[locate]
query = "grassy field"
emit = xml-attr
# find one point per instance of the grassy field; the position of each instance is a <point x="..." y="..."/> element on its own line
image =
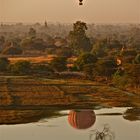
<point x="27" y="92"/>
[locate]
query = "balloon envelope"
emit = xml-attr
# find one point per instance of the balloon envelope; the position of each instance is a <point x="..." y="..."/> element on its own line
<point x="81" y="119"/>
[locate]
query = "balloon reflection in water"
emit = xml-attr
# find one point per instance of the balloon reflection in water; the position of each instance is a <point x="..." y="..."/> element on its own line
<point x="105" y="134"/>
<point x="81" y="119"/>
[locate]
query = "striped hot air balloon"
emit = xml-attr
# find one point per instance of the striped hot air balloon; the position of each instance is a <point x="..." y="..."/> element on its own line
<point x="81" y="119"/>
<point x="80" y="2"/>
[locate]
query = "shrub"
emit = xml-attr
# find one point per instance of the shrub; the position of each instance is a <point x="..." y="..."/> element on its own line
<point x="42" y="69"/>
<point x="12" y="51"/>
<point x="4" y="63"/>
<point x="105" y="68"/>
<point x="21" y="67"/>
<point x="59" y="64"/>
<point x="84" y="59"/>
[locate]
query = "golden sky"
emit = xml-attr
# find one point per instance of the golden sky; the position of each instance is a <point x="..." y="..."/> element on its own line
<point x="98" y="11"/>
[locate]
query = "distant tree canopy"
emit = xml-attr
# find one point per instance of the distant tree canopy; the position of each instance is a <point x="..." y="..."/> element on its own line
<point x="65" y="52"/>
<point x="32" y="33"/>
<point x="4" y="62"/>
<point x="45" y="24"/>
<point x="78" y="39"/>
<point x="2" y="40"/>
<point x="129" y="53"/>
<point x="114" y="44"/>
<point x="12" y="51"/>
<point x="100" y="48"/>
<point x="33" y="44"/>
<point x="16" y="42"/>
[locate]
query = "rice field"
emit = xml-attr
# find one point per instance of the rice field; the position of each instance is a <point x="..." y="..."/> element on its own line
<point x="35" y="92"/>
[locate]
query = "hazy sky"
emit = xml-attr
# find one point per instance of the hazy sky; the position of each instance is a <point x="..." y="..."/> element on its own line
<point x="101" y="11"/>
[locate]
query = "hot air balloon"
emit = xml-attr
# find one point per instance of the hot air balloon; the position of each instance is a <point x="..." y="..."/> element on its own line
<point x="81" y="119"/>
<point x="80" y="2"/>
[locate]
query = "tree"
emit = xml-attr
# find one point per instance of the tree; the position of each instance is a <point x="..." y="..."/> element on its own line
<point x="100" y="48"/>
<point x="77" y="38"/>
<point x="4" y="63"/>
<point x="63" y="51"/>
<point x="137" y="59"/>
<point x="12" y="51"/>
<point x="59" y="64"/>
<point x="88" y="70"/>
<point x="2" y="40"/>
<point x="21" y="67"/>
<point x="114" y="44"/>
<point x="84" y="59"/>
<point x="127" y="53"/>
<point x="105" y="68"/>
<point x="45" y="24"/>
<point x="33" y="44"/>
<point x="32" y="33"/>
<point x="38" y="44"/>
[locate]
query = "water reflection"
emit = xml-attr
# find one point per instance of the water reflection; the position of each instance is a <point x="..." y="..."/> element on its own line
<point x="81" y="119"/>
<point x="132" y="114"/>
<point x="105" y="134"/>
<point x="25" y="116"/>
<point x="55" y="124"/>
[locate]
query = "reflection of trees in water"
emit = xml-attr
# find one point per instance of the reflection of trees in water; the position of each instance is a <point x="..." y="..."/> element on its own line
<point x="105" y="134"/>
<point x="25" y="116"/>
<point x="132" y="114"/>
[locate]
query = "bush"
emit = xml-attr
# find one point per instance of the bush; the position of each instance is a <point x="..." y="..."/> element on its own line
<point x="84" y="59"/>
<point x="88" y="70"/>
<point x="21" y="67"/>
<point x="4" y="63"/>
<point x="105" y="68"/>
<point x="12" y="51"/>
<point x="121" y="81"/>
<point x="59" y="64"/>
<point x="137" y="59"/>
<point x="42" y="69"/>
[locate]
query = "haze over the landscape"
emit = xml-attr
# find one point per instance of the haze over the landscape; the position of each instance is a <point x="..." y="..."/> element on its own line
<point x="98" y="11"/>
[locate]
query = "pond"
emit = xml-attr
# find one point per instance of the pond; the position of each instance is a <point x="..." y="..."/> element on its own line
<point x="107" y="123"/>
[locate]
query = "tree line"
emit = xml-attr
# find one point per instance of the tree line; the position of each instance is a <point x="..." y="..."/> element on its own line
<point x="106" y="59"/>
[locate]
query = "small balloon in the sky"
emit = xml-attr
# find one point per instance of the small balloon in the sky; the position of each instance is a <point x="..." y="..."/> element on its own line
<point x="80" y="2"/>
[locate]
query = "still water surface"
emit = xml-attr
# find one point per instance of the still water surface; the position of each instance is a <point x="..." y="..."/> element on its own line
<point x="76" y="125"/>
